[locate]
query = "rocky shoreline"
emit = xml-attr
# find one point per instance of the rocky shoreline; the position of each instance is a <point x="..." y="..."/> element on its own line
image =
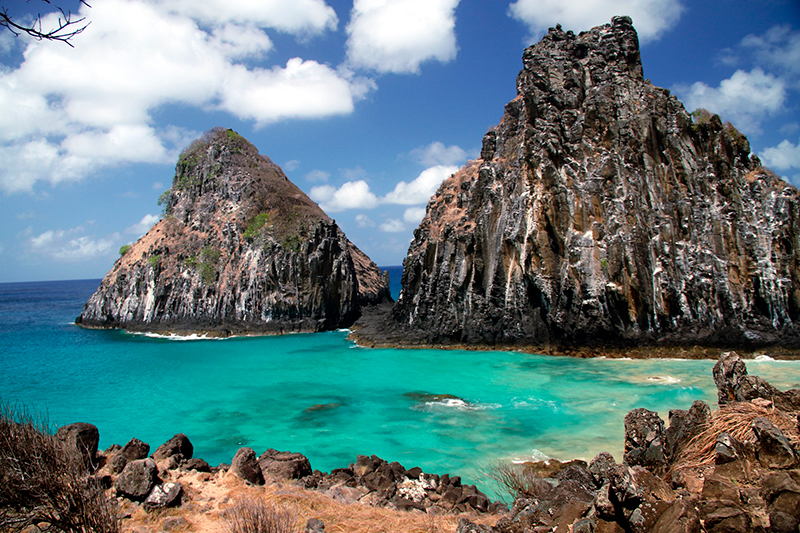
<point x="376" y="329"/>
<point x="736" y="469"/>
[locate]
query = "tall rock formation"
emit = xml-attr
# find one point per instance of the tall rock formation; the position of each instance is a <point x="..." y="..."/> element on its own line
<point x="601" y="214"/>
<point x="240" y="249"/>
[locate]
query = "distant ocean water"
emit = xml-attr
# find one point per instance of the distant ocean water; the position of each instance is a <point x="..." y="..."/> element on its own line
<point x="321" y="395"/>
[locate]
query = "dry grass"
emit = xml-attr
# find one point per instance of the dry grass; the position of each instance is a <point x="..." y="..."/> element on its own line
<point x="210" y="502"/>
<point x="255" y="515"/>
<point x="361" y="518"/>
<point x="737" y="420"/>
<point x="45" y="485"/>
<point x="515" y="481"/>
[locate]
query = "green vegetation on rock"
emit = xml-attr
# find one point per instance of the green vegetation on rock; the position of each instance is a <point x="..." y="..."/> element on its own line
<point x="124" y="249"/>
<point x="255" y="225"/>
<point x="207" y="264"/>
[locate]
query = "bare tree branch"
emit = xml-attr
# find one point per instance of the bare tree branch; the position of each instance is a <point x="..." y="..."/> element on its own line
<point x="67" y="26"/>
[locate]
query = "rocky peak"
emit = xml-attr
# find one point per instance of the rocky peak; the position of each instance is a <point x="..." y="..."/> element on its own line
<point x="601" y="213"/>
<point x="240" y="249"/>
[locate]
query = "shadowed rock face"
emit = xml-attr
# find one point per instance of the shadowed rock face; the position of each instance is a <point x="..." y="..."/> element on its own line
<point x="600" y="214"/>
<point x="241" y="249"/>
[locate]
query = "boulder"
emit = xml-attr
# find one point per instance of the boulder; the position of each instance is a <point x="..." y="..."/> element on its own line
<point x="284" y="465"/>
<point x="245" y="465"/>
<point x="726" y="449"/>
<point x="465" y="525"/>
<point x="315" y="525"/>
<point x="735" y="385"/>
<point x="600" y="468"/>
<point x="644" y="439"/>
<point x="81" y="438"/>
<point x="683" y="425"/>
<point x="196" y="464"/>
<point x="772" y="447"/>
<point x="680" y="517"/>
<point x="781" y="491"/>
<point x="723" y="516"/>
<point x="134" y="450"/>
<point x="117" y="463"/>
<point x="162" y="496"/>
<point x="780" y="522"/>
<point x="137" y="479"/>
<point x="179" y="444"/>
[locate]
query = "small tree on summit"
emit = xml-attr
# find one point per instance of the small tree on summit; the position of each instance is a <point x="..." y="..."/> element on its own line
<point x="66" y="29"/>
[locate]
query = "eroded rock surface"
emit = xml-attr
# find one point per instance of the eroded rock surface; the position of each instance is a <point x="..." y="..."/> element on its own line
<point x="601" y="214"/>
<point x="240" y="249"/>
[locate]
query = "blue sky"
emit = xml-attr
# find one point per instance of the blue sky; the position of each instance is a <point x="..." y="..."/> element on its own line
<point x="366" y="104"/>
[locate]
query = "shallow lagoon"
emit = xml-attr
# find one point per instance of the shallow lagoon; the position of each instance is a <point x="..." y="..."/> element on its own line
<point x="321" y="395"/>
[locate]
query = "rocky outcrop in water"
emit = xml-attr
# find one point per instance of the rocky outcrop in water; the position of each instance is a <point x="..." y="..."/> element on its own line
<point x="240" y="249"/>
<point x="601" y="214"/>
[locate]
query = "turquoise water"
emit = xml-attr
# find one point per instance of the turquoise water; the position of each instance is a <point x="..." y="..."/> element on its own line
<point x="321" y="395"/>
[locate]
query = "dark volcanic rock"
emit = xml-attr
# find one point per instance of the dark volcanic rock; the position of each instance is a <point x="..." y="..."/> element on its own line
<point x="600" y="214"/>
<point x="240" y="249"/>
<point x="135" y="449"/>
<point x="81" y="438"/>
<point x="162" y="496"/>
<point x="773" y="448"/>
<point x="284" y="465"/>
<point x="245" y="465"/>
<point x="644" y="439"/>
<point x="137" y="479"/>
<point x="179" y="444"/>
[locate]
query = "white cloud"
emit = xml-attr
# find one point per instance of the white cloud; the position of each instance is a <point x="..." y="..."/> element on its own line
<point x="158" y="186"/>
<point x="317" y="176"/>
<point x="143" y="226"/>
<point x="743" y="99"/>
<point x="651" y="18"/>
<point x="398" y="35"/>
<point x="414" y="215"/>
<point x="393" y="225"/>
<point x="778" y="47"/>
<point x="297" y="17"/>
<point x="72" y="245"/>
<point x="782" y="157"/>
<point x="437" y="153"/>
<point x="68" y="112"/>
<point x="421" y="189"/>
<point x="351" y="195"/>
<point x="291" y="165"/>
<point x="303" y="89"/>
<point x="364" y="221"/>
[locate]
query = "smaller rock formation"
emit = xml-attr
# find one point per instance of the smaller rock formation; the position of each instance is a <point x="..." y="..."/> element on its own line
<point x="240" y="249"/>
<point x="177" y="445"/>
<point x="137" y="479"/>
<point x="735" y="385"/>
<point x="81" y="438"/>
<point x="245" y="465"/>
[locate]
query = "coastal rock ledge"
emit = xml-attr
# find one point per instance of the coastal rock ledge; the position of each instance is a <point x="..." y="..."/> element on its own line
<point x="240" y="249"/>
<point x="601" y="214"/>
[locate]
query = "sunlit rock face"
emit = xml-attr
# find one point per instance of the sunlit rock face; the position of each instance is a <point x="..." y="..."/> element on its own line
<point x="601" y="214"/>
<point x="240" y="249"/>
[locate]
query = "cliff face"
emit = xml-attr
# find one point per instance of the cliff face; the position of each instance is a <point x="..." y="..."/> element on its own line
<point x="601" y="214"/>
<point x="240" y="249"/>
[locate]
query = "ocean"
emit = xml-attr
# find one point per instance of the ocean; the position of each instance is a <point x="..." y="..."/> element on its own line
<point x="447" y="411"/>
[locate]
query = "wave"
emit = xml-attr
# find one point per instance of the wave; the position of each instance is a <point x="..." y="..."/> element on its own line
<point x="666" y="380"/>
<point x="457" y="404"/>
<point x="762" y="358"/>
<point x="177" y="337"/>
<point x="535" y="457"/>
